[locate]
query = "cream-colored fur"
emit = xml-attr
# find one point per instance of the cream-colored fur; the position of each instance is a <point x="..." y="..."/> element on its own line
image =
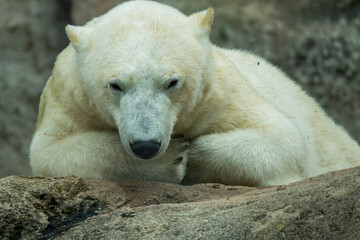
<point x="246" y="122"/>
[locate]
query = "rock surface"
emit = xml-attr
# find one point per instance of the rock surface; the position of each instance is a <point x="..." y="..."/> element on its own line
<point x="32" y="35"/>
<point x="325" y="207"/>
<point x="315" y="42"/>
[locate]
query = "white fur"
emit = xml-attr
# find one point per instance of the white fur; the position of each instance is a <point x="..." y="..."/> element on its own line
<point x="247" y="123"/>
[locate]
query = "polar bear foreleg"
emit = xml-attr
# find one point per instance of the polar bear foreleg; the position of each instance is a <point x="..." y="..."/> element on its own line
<point x="100" y="154"/>
<point x="89" y="154"/>
<point x="256" y="157"/>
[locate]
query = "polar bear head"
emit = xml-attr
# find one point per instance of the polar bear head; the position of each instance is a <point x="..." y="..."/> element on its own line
<point x="146" y="66"/>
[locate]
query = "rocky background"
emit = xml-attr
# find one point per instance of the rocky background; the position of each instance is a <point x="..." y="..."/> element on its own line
<point x="315" y="42"/>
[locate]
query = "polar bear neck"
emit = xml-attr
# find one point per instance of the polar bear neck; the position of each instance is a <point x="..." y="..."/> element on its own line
<point x="195" y="121"/>
<point x="204" y="118"/>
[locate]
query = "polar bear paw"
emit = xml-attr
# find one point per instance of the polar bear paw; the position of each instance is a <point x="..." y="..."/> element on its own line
<point x="182" y="145"/>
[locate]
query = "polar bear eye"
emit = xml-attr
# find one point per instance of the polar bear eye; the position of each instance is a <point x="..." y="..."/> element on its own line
<point x="115" y="87"/>
<point x="173" y="83"/>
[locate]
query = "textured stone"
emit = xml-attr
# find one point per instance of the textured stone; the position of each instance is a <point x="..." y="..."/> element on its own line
<point x="36" y="207"/>
<point x="325" y="207"/>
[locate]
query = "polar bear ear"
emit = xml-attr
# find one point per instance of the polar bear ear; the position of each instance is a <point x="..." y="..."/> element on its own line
<point x="203" y="21"/>
<point x="77" y="35"/>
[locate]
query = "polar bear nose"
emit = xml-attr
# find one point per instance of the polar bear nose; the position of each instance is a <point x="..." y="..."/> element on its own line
<point x="145" y="149"/>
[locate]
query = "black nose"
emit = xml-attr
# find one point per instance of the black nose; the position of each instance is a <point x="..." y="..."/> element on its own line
<point x="145" y="149"/>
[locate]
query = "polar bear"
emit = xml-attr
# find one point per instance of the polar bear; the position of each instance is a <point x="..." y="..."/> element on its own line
<point x="141" y="92"/>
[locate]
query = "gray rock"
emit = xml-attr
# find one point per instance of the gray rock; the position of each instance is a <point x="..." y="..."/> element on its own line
<point x="325" y="207"/>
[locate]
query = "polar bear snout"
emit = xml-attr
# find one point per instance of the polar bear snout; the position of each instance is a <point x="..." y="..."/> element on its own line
<point x="145" y="149"/>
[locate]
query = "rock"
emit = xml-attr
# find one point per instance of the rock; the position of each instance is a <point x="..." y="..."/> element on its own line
<point x="36" y="208"/>
<point x="324" y="207"/>
<point x="32" y="35"/>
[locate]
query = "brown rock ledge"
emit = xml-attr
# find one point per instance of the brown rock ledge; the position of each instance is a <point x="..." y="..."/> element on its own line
<point x="324" y="207"/>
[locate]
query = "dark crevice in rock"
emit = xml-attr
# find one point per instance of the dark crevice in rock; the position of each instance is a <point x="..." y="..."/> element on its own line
<point x="66" y="206"/>
<point x="43" y="208"/>
<point x="57" y="228"/>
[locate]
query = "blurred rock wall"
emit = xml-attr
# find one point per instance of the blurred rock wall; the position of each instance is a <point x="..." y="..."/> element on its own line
<point x="314" y="42"/>
<point x="31" y="36"/>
